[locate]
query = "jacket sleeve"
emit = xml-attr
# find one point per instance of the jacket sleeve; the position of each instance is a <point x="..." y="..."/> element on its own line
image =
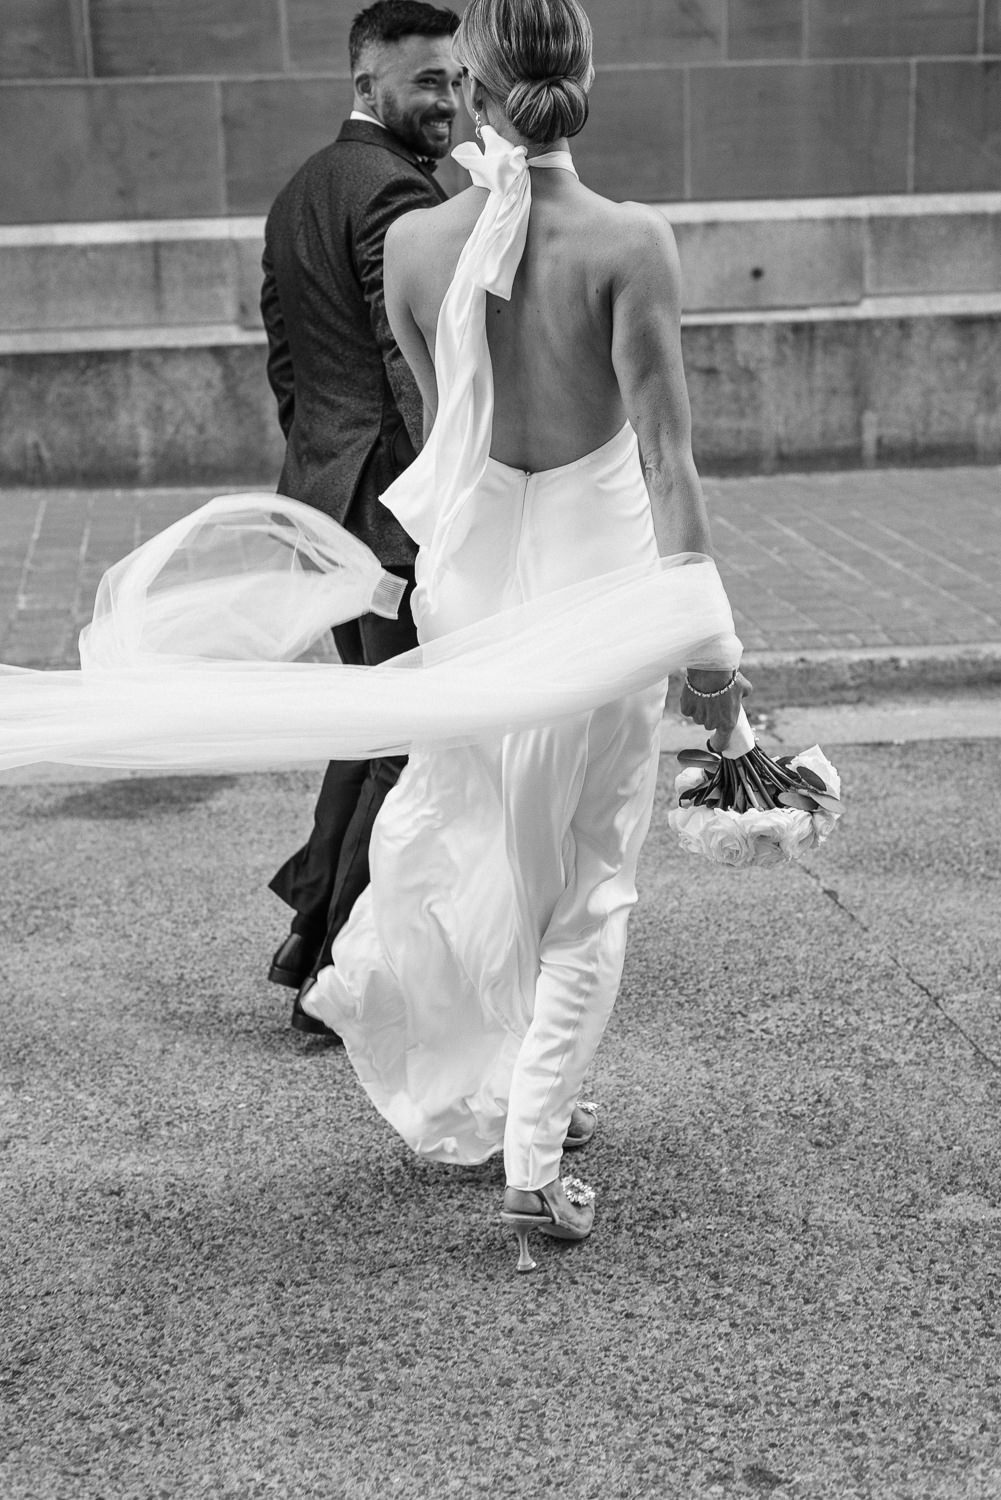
<point x="398" y="196"/>
<point x="280" y="375"/>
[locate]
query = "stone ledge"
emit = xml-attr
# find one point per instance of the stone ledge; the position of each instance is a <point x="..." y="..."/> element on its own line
<point x="152" y="273"/>
<point x="747" y="257"/>
<point x="753" y="256"/>
<point x="867" y="309"/>
<point x="212" y="335"/>
<point x="771" y="393"/>
<point x="160" y="415"/>
<point x="842" y="391"/>
<point x="83" y="340"/>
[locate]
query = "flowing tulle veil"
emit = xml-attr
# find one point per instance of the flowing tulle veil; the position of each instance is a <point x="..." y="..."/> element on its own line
<point x="210" y="644"/>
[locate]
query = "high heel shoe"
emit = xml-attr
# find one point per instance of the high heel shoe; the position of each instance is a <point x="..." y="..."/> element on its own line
<point x="583" y="1123"/>
<point x="563" y="1210"/>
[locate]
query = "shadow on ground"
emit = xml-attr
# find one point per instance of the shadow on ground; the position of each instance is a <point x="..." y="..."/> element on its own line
<point x="138" y="797"/>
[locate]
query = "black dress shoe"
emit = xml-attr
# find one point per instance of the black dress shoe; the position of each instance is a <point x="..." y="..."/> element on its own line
<point x="303" y="1022"/>
<point x="292" y="962"/>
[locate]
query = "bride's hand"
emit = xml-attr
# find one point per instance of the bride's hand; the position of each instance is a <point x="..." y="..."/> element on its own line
<point x="716" y="713"/>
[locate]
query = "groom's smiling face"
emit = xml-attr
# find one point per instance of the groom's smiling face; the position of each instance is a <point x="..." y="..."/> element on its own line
<point x="414" y="87"/>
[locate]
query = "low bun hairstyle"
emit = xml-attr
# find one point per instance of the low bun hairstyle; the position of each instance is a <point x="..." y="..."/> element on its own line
<point x="534" y="58"/>
<point x="546" y="108"/>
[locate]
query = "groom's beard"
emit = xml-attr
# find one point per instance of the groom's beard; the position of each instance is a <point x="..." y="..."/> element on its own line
<point x="426" y="132"/>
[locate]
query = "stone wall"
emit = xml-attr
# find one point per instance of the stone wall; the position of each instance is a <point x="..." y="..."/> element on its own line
<point x="145" y="109"/>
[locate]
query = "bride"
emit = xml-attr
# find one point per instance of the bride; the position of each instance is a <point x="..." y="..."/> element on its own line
<point x="476" y="975"/>
<point x="562" y="574"/>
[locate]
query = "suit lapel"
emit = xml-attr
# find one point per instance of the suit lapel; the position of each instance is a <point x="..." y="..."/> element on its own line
<point x="381" y="139"/>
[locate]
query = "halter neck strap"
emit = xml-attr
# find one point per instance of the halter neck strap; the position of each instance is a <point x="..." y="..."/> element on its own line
<point x="559" y="159"/>
<point x="429" y="498"/>
<point x="500" y="166"/>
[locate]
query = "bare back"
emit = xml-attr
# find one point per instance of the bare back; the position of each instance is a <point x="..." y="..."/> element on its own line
<point x="556" y="395"/>
<point x="556" y="391"/>
<point x="590" y="339"/>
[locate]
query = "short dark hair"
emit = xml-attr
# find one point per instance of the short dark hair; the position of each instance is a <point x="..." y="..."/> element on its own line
<point x="390" y="20"/>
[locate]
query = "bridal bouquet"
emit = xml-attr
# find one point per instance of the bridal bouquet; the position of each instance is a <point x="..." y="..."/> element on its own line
<point x="740" y="807"/>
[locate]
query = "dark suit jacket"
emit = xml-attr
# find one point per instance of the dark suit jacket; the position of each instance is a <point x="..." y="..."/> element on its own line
<point x="347" y="402"/>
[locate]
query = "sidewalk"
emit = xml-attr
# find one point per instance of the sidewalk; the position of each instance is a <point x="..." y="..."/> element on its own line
<point x="841" y="583"/>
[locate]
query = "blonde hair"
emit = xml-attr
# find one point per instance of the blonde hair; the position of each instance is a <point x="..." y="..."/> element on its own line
<point x="534" y="58"/>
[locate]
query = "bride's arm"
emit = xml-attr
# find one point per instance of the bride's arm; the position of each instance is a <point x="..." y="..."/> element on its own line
<point x="646" y="355"/>
<point x="400" y="252"/>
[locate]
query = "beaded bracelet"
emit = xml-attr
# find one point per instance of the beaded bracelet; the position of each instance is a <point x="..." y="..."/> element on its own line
<point x="719" y="691"/>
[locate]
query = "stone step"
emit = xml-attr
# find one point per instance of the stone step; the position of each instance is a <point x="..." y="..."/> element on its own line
<point x="151" y="274"/>
<point x="907" y="383"/>
<point x="836" y="252"/>
<point x="751" y="256"/>
<point x="828" y="332"/>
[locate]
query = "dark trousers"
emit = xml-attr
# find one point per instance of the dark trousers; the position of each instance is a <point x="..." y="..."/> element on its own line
<point x="323" y="880"/>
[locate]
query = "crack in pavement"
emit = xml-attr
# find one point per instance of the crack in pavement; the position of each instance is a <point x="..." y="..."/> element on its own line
<point x="936" y="1000"/>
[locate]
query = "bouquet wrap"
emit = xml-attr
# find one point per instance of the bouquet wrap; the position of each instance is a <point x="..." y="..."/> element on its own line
<point x="737" y="806"/>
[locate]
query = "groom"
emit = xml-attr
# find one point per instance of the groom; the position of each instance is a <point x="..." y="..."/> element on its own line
<point x="348" y="404"/>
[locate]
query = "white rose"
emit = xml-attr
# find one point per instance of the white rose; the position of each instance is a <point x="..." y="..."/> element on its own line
<point x="691" y="776"/>
<point x="798" y="833"/>
<point x="724" y="839"/>
<point x="689" y="824"/>
<point x="763" y="831"/>
<point x="815" y="760"/>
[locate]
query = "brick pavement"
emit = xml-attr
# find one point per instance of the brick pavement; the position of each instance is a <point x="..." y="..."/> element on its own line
<point x="54" y="547"/>
<point x="873" y="559"/>
<point x="835" y="562"/>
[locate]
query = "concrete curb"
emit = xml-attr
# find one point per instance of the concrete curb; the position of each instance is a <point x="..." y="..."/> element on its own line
<point x="783" y="678"/>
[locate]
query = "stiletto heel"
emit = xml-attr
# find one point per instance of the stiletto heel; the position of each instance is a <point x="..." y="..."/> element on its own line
<point x="566" y="1213"/>
<point x="525" y="1261"/>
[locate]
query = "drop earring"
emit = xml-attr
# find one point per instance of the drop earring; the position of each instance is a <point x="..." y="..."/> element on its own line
<point x="479" y="125"/>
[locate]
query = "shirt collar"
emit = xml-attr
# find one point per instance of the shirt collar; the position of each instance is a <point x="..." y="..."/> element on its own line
<point x="357" y="114"/>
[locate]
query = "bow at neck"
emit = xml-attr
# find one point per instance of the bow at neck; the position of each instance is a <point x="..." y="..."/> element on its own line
<point x="500" y="166"/>
<point x="493" y="252"/>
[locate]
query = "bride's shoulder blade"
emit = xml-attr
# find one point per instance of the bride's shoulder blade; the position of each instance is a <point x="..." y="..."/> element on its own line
<point x="422" y="226"/>
<point x="422" y="250"/>
<point x="627" y="233"/>
<point x="439" y="231"/>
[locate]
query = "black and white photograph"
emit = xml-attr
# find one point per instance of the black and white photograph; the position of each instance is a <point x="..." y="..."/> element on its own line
<point x="500" y="749"/>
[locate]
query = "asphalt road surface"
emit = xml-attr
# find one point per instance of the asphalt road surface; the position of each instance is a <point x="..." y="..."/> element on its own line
<point x="223" y="1275"/>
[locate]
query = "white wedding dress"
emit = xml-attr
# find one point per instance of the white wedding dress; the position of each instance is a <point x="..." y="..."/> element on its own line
<point x="476" y="975"/>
